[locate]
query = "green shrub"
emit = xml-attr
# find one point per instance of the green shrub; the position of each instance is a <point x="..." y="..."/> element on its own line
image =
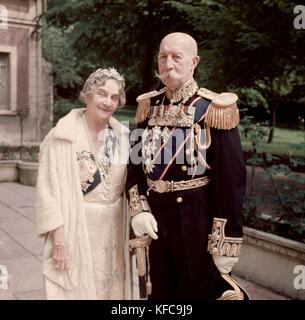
<point x="283" y="213"/>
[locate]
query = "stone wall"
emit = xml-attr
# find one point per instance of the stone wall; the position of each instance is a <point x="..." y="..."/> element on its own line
<point x="271" y="261"/>
<point x="33" y="86"/>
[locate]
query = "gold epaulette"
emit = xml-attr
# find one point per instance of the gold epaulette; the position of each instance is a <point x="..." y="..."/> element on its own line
<point x="144" y="104"/>
<point x="222" y="113"/>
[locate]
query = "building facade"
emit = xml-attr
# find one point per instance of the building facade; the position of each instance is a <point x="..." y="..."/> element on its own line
<point x="26" y="89"/>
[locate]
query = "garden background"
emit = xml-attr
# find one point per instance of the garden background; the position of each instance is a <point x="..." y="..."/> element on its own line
<point x="251" y="48"/>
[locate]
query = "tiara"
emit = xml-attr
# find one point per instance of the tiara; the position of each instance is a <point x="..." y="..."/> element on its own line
<point x="109" y="73"/>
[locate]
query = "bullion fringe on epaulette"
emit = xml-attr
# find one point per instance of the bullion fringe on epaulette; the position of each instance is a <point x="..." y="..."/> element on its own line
<point x="144" y="104"/>
<point x="142" y="110"/>
<point x="222" y="117"/>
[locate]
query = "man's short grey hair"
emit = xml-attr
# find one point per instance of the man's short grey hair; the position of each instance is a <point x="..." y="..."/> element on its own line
<point x="98" y="78"/>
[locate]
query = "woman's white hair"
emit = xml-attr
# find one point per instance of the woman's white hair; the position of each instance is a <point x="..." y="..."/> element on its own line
<point x="98" y="78"/>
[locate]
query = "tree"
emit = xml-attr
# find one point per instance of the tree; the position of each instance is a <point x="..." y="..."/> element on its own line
<point x="120" y="33"/>
<point x="250" y="47"/>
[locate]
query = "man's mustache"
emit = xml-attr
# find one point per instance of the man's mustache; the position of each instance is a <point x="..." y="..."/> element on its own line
<point x="166" y="74"/>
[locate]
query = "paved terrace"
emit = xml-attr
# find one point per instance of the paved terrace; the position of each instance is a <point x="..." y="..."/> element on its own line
<point x="21" y="249"/>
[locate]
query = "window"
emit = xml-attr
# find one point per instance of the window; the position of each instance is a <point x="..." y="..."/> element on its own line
<point x="3" y="17"/>
<point x="4" y="81"/>
<point x="8" y="80"/>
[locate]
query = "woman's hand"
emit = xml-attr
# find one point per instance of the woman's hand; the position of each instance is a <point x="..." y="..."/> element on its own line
<point x="60" y="253"/>
<point x="60" y="257"/>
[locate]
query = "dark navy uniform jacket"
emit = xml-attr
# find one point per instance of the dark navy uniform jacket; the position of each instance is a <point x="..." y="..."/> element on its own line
<point x="224" y="157"/>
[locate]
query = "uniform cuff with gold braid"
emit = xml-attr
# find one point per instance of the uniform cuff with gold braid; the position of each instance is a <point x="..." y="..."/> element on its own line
<point x="137" y="203"/>
<point x="221" y="245"/>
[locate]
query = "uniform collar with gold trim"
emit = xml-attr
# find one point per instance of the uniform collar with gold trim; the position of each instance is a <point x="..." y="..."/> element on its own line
<point x="188" y="89"/>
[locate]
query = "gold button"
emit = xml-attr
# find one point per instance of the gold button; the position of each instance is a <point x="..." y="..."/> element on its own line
<point x="179" y="199"/>
<point x="184" y="168"/>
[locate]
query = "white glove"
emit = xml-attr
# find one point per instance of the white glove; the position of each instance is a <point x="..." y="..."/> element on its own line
<point x="224" y="264"/>
<point x="144" y="223"/>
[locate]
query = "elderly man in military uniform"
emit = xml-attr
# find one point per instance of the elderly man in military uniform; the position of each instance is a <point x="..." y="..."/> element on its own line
<point x="187" y="191"/>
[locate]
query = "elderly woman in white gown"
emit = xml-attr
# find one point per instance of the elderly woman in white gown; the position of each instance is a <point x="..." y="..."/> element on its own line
<point x="80" y="205"/>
